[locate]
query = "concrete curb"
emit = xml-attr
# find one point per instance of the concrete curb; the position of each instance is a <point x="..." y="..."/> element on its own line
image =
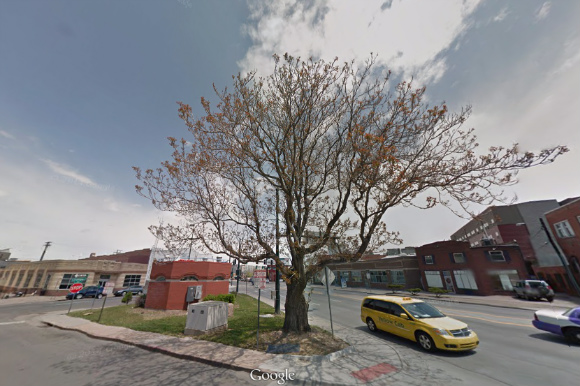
<point x="231" y="366"/>
<point x="455" y="300"/>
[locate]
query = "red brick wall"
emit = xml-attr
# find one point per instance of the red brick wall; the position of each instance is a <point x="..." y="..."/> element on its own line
<point x="475" y="260"/>
<point x="203" y="270"/>
<point x="171" y="293"/>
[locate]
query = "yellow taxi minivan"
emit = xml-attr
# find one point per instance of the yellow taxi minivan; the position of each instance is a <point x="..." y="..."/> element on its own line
<point x="418" y="321"/>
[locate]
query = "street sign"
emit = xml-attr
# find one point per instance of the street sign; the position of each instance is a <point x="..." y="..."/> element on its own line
<point x="79" y="278"/>
<point x="76" y="288"/>
<point x="108" y="288"/>
<point x="260" y="276"/>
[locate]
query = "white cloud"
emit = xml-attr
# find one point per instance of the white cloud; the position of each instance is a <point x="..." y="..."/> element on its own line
<point x="67" y="171"/>
<point x="40" y="208"/>
<point x="352" y="30"/>
<point x="501" y="15"/>
<point x="544" y="11"/>
<point x="6" y="134"/>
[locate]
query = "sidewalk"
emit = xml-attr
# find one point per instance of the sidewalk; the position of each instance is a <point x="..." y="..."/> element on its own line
<point x="29" y="300"/>
<point x="561" y="300"/>
<point x="365" y="361"/>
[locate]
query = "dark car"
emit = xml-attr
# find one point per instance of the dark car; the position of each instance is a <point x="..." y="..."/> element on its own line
<point x="134" y="289"/>
<point x="88" y="292"/>
<point x="533" y="290"/>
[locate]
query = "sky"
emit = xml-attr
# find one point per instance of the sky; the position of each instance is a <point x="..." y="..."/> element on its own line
<point x="89" y="89"/>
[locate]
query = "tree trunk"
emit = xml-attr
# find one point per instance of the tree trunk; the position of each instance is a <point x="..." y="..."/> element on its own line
<point x="296" y="318"/>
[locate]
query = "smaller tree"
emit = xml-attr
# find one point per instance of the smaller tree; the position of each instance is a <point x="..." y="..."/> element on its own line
<point x="127" y="298"/>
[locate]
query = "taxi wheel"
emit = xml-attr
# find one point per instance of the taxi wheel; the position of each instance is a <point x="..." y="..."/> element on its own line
<point x="371" y="325"/>
<point x="572" y="334"/>
<point x="425" y="341"/>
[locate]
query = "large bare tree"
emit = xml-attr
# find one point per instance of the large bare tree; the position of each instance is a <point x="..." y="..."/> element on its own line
<point x="339" y="145"/>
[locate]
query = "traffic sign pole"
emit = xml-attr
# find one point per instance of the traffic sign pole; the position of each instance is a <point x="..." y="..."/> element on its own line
<point x="76" y="287"/>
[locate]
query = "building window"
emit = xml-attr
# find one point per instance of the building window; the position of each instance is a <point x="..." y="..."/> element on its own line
<point x="433" y="279"/>
<point x="398" y="276"/>
<point x="502" y="280"/>
<point x="69" y="279"/>
<point x="378" y="276"/>
<point x="458" y="258"/>
<point x="160" y="278"/>
<point x="12" y="278"/>
<point x="465" y="279"/>
<point x="131" y="280"/>
<point x="429" y="259"/>
<point x="39" y="276"/>
<point x="564" y="229"/>
<point x="20" y="276"/>
<point x="496" y="256"/>
<point x="356" y="276"/>
<point x="190" y="278"/>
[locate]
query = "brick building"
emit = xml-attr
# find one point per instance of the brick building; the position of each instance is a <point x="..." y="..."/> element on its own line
<point x="463" y="269"/>
<point x="565" y="225"/>
<point x="379" y="270"/>
<point x="519" y="224"/>
<point x="53" y="277"/>
<point x="167" y="289"/>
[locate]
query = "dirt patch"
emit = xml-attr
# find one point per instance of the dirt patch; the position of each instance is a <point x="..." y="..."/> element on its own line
<point x="156" y="314"/>
<point x="316" y="342"/>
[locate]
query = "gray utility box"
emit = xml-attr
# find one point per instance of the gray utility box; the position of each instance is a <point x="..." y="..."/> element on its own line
<point x="206" y="317"/>
<point x="193" y="293"/>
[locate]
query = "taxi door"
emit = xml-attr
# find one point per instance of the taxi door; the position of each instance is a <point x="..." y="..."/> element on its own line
<point x="383" y="315"/>
<point x="401" y="326"/>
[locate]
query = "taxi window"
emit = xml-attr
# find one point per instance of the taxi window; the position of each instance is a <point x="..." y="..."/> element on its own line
<point x="423" y="310"/>
<point x="382" y="306"/>
<point x="397" y="310"/>
<point x="369" y="303"/>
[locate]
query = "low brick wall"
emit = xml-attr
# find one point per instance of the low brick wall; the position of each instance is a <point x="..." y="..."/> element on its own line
<point x="171" y="295"/>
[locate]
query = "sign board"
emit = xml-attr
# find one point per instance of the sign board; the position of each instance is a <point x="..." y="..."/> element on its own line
<point x="331" y="277"/>
<point x="79" y="278"/>
<point x="76" y="288"/>
<point x="108" y="288"/>
<point x="260" y="276"/>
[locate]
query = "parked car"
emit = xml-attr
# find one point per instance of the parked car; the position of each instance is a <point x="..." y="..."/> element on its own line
<point x="134" y="289"/>
<point x="566" y="323"/>
<point x="418" y="321"/>
<point x="88" y="292"/>
<point x="534" y="290"/>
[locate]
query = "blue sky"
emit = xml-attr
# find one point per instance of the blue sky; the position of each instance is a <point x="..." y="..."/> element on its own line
<point x="88" y="90"/>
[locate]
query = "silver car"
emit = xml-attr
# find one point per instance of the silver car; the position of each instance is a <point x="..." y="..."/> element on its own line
<point x="534" y="290"/>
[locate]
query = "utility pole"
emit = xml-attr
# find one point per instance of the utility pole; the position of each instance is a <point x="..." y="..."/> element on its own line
<point x="46" y="245"/>
<point x="277" y="285"/>
<point x="238" y="277"/>
<point x="560" y="255"/>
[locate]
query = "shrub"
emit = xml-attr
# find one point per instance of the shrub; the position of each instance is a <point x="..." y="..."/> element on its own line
<point x="141" y="301"/>
<point x="228" y="298"/>
<point x="438" y="291"/>
<point x="395" y="287"/>
<point x="127" y="297"/>
<point x="414" y="291"/>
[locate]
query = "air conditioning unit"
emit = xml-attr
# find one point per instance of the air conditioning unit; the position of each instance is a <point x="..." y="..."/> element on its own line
<point x="206" y="317"/>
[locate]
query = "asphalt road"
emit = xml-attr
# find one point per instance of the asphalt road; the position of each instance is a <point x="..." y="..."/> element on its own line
<point x="33" y="354"/>
<point x="511" y="352"/>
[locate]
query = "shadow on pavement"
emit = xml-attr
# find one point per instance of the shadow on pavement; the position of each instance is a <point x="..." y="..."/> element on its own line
<point x="399" y="341"/>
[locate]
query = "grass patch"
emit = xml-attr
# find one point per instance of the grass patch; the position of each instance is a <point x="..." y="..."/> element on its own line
<point x="138" y="319"/>
<point x="241" y="330"/>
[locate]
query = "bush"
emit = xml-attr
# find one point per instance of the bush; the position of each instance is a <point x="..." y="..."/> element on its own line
<point x="228" y="298"/>
<point x="141" y="301"/>
<point x="127" y="297"/>
<point x="438" y="291"/>
<point x="414" y="291"/>
<point x="395" y="287"/>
